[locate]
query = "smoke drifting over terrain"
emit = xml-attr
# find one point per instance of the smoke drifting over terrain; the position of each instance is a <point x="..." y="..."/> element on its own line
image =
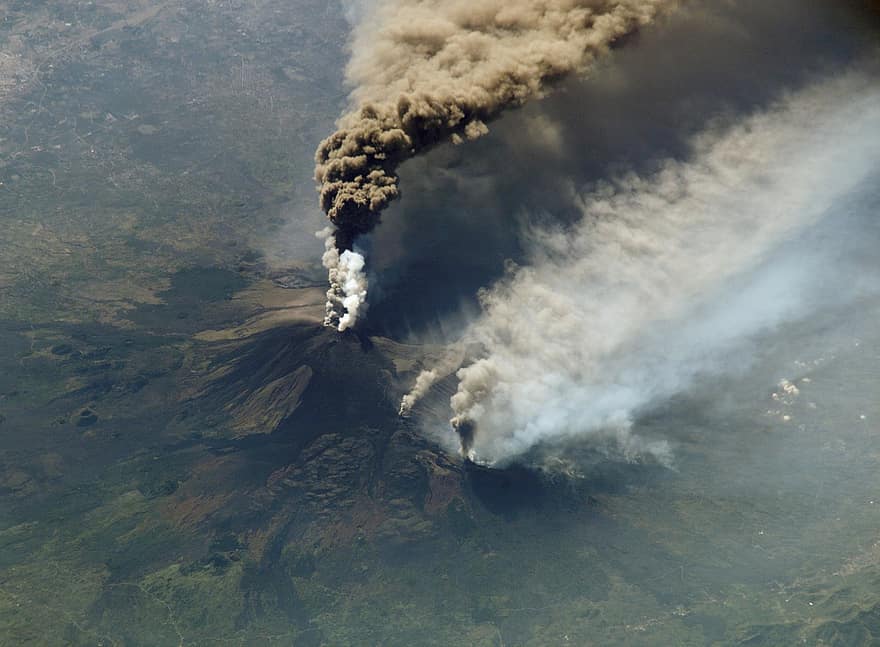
<point x="427" y="72"/>
<point x="465" y="207"/>
<point x="664" y="277"/>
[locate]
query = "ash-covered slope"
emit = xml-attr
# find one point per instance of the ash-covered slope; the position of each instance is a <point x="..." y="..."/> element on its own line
<point x="337" y="464"/>
<point x="313" y="413"/>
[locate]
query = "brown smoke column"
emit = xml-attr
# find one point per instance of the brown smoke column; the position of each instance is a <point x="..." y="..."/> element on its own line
<point x="430" y="71"/>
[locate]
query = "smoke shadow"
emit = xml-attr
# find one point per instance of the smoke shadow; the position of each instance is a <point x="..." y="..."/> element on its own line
<point x="465" y="209"/>
<point x="520" y="487"/>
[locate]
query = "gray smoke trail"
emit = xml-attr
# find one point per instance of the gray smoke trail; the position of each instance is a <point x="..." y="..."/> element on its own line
<point x="645" y="294"/>
<point x="443" y="367"/>
<point x="430" y="71"/>
<point x="424" y="382"/>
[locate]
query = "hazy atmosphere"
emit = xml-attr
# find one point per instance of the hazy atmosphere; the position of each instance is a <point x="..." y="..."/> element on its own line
<point x="395" y="322"/>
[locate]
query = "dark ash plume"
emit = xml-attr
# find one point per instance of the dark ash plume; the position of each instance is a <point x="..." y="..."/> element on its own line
<point x="428" y="72"/>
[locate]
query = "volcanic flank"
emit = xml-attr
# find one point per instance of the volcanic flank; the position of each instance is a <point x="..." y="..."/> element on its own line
<point x="428" y="72"/>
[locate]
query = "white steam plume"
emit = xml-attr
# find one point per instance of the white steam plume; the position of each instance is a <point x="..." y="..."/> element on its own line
<point x="347" y="295"/>
<point x="653" y="288"/>
<point x="428" y="71"/>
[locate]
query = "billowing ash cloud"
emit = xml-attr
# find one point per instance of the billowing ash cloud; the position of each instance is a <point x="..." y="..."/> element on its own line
<point x="426" y="72"/>
<point x="664" y="277"/>
<point x="463" y="209"/>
